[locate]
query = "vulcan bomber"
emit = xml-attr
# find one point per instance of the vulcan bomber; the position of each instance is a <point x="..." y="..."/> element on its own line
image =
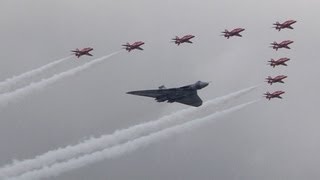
<point x="186" y="94"/>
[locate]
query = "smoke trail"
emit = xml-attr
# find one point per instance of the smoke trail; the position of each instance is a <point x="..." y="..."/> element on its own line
<point x="120" y="136"/>
<point x="16" y="95"/>
<point x="8" y="84"/>
<point x="116" y="151"/>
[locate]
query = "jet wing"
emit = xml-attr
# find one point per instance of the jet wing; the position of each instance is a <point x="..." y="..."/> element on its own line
<point x="192" y="100"/>
<point x="151" y="93"/>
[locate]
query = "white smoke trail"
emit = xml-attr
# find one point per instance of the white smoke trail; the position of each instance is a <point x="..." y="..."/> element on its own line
<point x="16" y="95"/>
<point x="116" y="151"/>
<point x="8" y="84"/>
<point x="120" y="136"/>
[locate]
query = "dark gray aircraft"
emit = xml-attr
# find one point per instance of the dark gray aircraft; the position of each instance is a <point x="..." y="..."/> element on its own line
<point x="185" y="94"/>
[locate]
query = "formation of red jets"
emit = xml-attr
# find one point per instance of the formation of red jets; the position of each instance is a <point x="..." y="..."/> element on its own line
<point x="282" y="61"/>
<point x="235" y="32"/>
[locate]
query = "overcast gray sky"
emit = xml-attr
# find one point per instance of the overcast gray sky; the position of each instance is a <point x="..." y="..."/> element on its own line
<point x="270" y="140"/>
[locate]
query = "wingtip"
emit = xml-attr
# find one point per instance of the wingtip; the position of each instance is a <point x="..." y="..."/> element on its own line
<point x="131" y="92"/>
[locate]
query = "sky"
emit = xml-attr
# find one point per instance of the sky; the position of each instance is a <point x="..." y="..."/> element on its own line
<point x="269" y="140"/>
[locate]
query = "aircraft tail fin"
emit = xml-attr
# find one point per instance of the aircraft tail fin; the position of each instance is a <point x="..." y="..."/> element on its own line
<point x="276" y="24"/>
<point x="175" y="38"/>
<point x="162" y="87"/>
<point x="76" y="50"/>
<point x="126" y="45"/>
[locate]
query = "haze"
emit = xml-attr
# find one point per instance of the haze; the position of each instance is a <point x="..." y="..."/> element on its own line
<point x="270" y="140"/>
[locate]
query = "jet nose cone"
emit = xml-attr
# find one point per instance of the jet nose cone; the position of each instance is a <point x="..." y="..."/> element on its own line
<point x="204" y="84"/>
<point x="200" y="84"/>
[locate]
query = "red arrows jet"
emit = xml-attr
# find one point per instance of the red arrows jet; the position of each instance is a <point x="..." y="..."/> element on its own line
<point x="283" y="44"/>
<point x="136" y="45"/>
<point x="287" y="24"/>
<point x="84" y="51"/>
<point x="184" y="39"/>
<point x="235" y="32"/>
<point x="275" y="94"/>
<point x="281" y="61"/>
<point x="277" y="79"/>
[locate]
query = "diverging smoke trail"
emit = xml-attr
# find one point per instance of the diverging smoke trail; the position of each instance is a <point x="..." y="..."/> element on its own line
<point x="16" y="95"/>
<point x="118" y="137"/>
<point x="10" y="83"/>
<point x="116" y="151"/>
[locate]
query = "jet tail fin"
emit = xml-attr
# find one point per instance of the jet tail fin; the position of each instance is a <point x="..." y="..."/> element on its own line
<point x="126" y="45"/>
<point x="162" y="87"/>
<point x="175" y="38"/>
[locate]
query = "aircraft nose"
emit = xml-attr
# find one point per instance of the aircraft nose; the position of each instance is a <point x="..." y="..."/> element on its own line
<point x="204" y="84"/>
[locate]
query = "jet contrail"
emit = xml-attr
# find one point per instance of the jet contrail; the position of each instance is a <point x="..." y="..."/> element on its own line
<point x="116" y="151"/>
<point x="16" y="95"/>
<point x="118" y="137"/>
<point x="8" y="84"/>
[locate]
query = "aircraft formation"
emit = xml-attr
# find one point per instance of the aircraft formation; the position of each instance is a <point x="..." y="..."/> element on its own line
<point x="282" y="61"/>
<point x="188" y="94"/>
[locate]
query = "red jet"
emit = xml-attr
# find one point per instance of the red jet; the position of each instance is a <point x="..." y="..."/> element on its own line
<point x="277" y="79"/>
<point x="275" y="94"/>
<point x="281" y="61"/>
<point x="235" y="32"/>
<point x="184" y="39"/>
<point x="287" y="24"/>
<point x="283" y="44"/>
<point x="84" y="51"/>
<point x="133" y="46"/>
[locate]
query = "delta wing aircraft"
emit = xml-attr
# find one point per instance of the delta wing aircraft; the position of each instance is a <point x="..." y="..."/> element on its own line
<point x="185" y="94"/>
